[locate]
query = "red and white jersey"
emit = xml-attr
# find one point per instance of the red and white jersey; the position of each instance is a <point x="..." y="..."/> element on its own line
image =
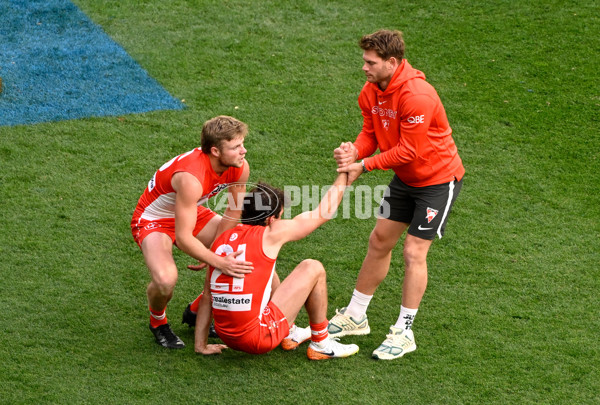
<point x="239" y="302"/>
<point x="158" y="200"/>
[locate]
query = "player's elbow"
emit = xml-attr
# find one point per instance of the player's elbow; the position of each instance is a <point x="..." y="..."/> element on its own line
<point x="184" y="242"/>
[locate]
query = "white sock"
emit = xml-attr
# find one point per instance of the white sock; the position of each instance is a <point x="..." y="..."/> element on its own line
<point x="406" y="318"/>
<point x="358" y="304"/>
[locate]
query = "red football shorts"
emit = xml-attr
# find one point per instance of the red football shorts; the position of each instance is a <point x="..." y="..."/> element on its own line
<point x="263" y="335"/>
<point x="140" y="228"/>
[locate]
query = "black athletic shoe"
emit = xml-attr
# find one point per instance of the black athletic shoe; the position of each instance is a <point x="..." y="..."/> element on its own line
<point x="190" y="318"/>
<point x="166" y="337"/>
<point x="212" y="332"/>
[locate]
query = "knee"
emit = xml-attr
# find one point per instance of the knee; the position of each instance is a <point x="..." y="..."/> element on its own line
<point x="314" y="267"/>
<point x="379" y="242"/>
<point x="164" y="283"/>
<point x="412" y="258"/>
<point x="414" y="255"/>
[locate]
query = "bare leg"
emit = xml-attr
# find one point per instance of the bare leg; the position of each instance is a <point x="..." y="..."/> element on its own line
<point x="275" y="284"/>
<point x="376" y="265"/>
<point x="158" y="254"/>
<point x="305" y="286"/>
<point x="208" y="234"/>
<point x="415" y="277"/>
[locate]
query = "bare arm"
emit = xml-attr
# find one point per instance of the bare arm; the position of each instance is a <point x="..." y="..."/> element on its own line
<point x="203" y="319"/>
<point x="188" y="191"/>
<point x="353" y="170"/>
<point x="302" y="225"/>
<point x="235" y="205"/>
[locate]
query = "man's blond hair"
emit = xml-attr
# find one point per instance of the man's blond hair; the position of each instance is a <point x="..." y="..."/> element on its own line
<point x="219" y="129"/>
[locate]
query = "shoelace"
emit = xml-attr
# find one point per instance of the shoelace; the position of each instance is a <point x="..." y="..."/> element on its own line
<point x="398" y="340"/>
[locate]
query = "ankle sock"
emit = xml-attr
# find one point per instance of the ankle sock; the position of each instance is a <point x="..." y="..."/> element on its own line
<point x="158" y="318"/>
<point x="358" y="304"/>
<point x="406" y="318"/>
<point x="318" y="331"/>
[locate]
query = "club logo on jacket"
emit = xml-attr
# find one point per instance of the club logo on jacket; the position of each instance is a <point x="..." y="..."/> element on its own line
<point x="384" y="112"/>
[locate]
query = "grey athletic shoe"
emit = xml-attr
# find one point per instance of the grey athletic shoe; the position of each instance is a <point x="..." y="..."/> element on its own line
<point x="397" y="343"/>
<point x="342" y="325"/>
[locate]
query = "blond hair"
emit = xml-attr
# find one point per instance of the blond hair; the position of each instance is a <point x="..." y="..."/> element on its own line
<point x="219" y="129"/>
<point x="385" y="43"/>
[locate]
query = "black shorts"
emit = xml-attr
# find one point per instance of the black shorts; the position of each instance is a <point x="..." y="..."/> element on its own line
<point x="425" y="209"/>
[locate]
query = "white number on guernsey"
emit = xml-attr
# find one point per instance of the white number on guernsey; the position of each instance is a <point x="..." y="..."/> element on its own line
<point x="236" y="284"/>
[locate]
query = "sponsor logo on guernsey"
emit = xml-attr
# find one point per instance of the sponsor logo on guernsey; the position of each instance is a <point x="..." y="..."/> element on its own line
<point x="384" y="112"/>
<point x="431" y="213"/>
<point x="417" y="119"/>
<point x="218" y="188"/>
<point x="232" y="302"/>
<point x="233" y="237"/>
<point x="152" y="183"/>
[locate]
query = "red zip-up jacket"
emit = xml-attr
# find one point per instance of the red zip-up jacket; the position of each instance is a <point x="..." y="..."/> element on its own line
<point x="408" y="123"/>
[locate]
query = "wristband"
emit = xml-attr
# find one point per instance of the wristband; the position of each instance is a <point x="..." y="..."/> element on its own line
<point x="363" y="166"/>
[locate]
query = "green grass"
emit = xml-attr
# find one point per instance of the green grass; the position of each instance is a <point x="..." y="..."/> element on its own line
<point x="511" y="311"/>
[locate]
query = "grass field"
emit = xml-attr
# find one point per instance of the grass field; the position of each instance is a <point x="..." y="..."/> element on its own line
<point x="511" y="314"/>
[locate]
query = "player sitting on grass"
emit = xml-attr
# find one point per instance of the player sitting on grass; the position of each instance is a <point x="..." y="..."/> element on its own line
<point x="246" y="316"/>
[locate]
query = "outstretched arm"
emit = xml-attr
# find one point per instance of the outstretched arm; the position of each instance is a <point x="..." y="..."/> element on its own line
<point x="353" y="170"/>
<point x="302" y="225"/>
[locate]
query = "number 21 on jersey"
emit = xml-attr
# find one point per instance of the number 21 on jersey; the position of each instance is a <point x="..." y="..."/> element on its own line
<point x="227" y="283"/>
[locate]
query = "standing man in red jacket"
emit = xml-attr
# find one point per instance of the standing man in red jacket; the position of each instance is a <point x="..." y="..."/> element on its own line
<point x="404" y="118"/>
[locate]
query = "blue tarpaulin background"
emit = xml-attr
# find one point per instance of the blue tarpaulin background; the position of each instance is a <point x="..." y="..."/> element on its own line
<point x="56" y="64"/>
